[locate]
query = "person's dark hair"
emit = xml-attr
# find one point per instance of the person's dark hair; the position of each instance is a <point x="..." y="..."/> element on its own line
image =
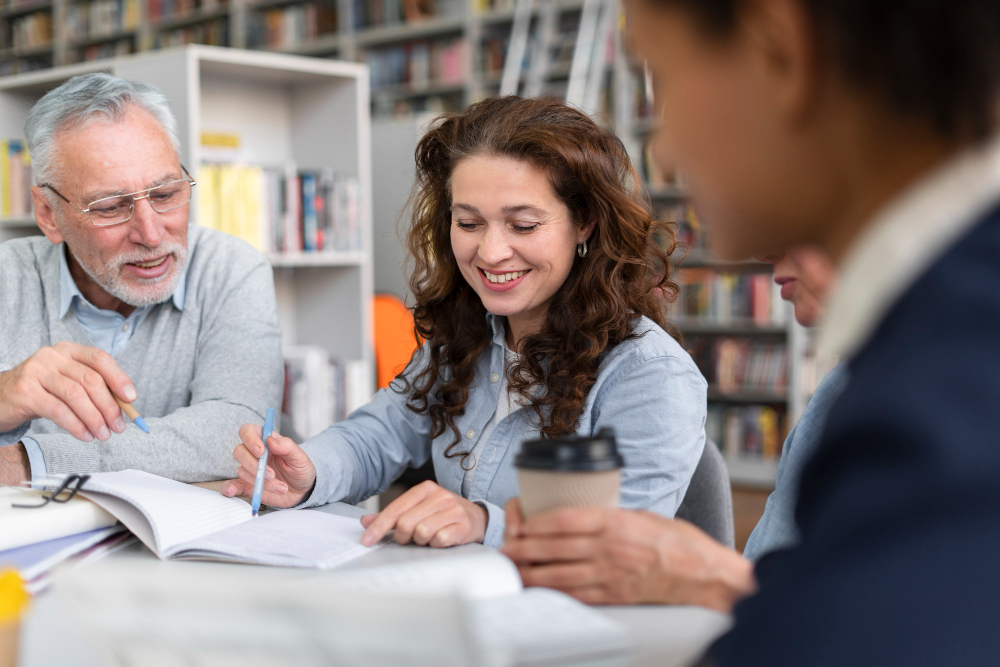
<point x="625" y="274"/>
<point x="934" y="59"/>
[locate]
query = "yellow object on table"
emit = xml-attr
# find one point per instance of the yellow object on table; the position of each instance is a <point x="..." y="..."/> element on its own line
<point x="13" y="602"/>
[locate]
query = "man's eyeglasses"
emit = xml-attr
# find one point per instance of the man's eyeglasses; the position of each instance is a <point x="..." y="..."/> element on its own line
<point x="119" y="208"/>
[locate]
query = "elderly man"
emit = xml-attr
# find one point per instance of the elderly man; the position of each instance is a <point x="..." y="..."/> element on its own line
<point x="121" y="299"/>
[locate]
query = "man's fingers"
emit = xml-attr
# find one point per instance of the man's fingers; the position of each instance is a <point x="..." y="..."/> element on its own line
<point x="104" y="363"/>
<point x="567" y="521"/>
<point x="386" y="519"/>
<point x="244" y="458"/>
<point x="562" y="576"/>
<point x="98" y="392"/>
<point x="73" y="396"/>
<point x="548" y="550"/>
<point x="367" y="519"/>
<point x="53" y="409"/>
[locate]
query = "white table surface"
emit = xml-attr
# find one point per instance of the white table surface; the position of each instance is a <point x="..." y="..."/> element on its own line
<point x="662" y="635"/>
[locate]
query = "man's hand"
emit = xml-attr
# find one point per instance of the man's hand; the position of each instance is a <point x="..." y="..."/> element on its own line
<point x="14" y="467"/>
<point x="69" y="384"/>
<point x="428" y="515"/>
<point x="290" y="474"/>
<point x="616" y="556"/>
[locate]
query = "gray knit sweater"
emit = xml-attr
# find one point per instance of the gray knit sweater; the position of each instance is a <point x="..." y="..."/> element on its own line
<point x="200" y="373"/>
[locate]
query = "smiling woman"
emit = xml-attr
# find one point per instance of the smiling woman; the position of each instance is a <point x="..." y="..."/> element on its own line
<point x="539" y="279"/>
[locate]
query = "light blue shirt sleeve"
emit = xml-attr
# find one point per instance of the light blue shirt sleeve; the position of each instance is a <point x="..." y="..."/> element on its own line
<point x="36" y="462"/>
<point x="777" y="528"/>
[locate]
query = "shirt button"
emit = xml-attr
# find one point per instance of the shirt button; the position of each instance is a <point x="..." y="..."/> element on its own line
<point x="496" y="377"/>
<point x="470" y="434"/>
<point x="125" y="327"/>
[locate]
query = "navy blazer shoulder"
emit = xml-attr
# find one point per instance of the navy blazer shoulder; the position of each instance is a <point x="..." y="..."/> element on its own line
<point x="900" y="507"/>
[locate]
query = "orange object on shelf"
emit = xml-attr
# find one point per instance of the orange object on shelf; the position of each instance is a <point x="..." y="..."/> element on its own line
<point x="394" y="340"/>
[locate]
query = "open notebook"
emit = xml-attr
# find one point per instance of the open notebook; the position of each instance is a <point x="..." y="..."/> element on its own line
<point x="177" y="520"/>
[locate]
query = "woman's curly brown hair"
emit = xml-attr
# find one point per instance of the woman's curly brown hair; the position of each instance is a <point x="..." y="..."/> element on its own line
<point x="625" y="275"/>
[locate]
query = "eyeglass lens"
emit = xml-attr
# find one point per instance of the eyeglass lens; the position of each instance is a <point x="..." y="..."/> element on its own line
<point x="164" y="198"/>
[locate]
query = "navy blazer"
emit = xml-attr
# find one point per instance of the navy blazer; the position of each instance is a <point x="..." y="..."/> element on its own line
<point x="900" y="507"/>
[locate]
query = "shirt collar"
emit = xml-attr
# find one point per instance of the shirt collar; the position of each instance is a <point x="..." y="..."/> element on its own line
<point x="904" y="240"/>
<point x="68" y="288"/>
<point x="499" y="325"/>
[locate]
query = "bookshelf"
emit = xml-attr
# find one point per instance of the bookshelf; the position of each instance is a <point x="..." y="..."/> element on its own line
<point x="283" y="107"/>
<point x="437" y="61"/>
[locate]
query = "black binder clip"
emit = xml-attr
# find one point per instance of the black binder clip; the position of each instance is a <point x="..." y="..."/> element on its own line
<point x="79" y="480"/>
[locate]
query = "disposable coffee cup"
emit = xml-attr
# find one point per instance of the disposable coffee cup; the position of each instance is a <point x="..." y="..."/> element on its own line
<point x="571" y="471"/>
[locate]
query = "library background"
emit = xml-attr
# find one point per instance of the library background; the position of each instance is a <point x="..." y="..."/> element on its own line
<point x="286" y="128"/>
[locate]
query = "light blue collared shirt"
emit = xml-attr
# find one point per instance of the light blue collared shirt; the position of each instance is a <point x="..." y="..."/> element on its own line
<point x="647" y="389"/>
<point x="777" y="528"/>
<point x="108" y="330"/>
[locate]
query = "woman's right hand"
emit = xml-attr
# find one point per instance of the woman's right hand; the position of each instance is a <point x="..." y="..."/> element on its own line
<point x="290" y="473"/>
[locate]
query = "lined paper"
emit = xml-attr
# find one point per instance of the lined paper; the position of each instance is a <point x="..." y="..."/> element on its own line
<point x="174" y="512"/>
<point x="291" y="538"/>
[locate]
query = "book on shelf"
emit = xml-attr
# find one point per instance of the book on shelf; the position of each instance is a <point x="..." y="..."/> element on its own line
<point x="15" y="179"/>
<point x="282" y="211"/>
<point x="419" y="63"/>
<point x="29" y="31"/>
<point x="214" y="33"/>
<point x="100" y="18"/>
<point x="157" y="10"/>
<point x="707" y="295"/>
<point x="750" y="432"/>
<point x="287" y="27"/>
<point x="320" y="390"/>
<point x="732" y="365"/>
<point x="380" y="13"/>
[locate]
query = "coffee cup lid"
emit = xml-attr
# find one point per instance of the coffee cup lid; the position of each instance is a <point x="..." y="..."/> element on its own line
<point x="572" y="453"/>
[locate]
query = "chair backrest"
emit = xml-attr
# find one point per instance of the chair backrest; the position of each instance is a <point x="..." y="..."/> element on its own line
<point x="708" y="503"/>
<point x="394" y="341"/>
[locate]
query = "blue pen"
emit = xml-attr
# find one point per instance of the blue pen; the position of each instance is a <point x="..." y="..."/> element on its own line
<point x="258" y="483"/>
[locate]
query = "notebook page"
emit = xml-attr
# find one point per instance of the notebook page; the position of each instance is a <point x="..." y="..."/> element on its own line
<point x="173" y="512"/>
<point x="484" y="574"/>
<point x="290" y="538"/>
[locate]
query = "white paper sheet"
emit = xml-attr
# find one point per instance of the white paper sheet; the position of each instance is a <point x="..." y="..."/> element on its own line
<point x="290" y="538"/>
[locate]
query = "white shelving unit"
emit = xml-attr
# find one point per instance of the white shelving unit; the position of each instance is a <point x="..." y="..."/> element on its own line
<point x="315" y="112"/>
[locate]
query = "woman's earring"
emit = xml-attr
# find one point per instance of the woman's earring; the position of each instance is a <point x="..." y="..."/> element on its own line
<point x="581" y="249"/>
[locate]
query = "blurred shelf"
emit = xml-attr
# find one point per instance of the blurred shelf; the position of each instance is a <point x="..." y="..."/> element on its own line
<point x="697" y="259"/>
<point x="738" y="327"/>
<point x="751" y="472"/>
<point x="745" y="396"/>
<point x="100" y="39"/>
<point x="431" y="27"/>
<point x="20" y="221"/>
<point x="316" y="259"/>
<point x="555" y="73"/>
<point x="321" y="46"/>
<point x="668" y="193"/>
<point x="24" y="8"/>
<point x="506" y="15"/>
<point x="643" y="126"/>
<point x="188" y="18"/>
<point x="419" y="90"/>
<point x="15" y="52"/>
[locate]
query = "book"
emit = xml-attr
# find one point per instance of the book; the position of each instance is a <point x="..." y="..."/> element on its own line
<point x="180" y="521"/>
<point x="21" y="526"/>
<point x="34" y="561"/>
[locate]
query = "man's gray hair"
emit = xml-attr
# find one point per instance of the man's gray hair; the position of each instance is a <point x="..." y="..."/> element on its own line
<point x="80" y="100"/>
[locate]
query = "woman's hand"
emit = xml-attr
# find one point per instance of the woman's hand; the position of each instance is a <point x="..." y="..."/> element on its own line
<point x="616" y="556"/>
<point x="290" y="473"/>
<point x="428" y="515"/>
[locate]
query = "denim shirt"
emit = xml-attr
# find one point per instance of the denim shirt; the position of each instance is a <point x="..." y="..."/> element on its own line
<point x="648" y="390"/>
<point x="776" y="528"/>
